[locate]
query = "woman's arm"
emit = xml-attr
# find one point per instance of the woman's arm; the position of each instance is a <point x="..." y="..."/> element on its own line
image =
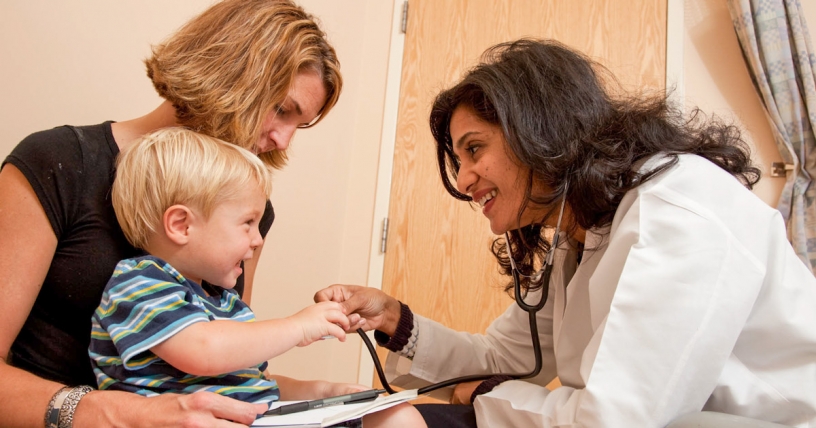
<point x="125" y="409"/>
<point x="27" y="245"/>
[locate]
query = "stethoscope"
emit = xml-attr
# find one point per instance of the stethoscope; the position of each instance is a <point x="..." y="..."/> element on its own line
<point x="531" y="310"/>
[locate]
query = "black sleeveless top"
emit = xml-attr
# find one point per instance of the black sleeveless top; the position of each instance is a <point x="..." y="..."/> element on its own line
<point x="71" y="169"/>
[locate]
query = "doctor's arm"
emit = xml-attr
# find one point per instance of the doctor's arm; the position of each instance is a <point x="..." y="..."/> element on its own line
<point x="442" y="353"/>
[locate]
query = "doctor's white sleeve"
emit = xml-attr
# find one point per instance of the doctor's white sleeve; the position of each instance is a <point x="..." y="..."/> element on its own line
<point x="443" y="353"/>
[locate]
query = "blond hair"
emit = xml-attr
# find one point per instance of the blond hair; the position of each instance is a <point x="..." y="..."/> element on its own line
<point x="173" y="166"/>
<point x="228" y="68"/>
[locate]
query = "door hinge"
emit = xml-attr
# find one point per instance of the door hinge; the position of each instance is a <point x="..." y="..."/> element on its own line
<point x="384" y="238"/>
<point x="404" y="17"/>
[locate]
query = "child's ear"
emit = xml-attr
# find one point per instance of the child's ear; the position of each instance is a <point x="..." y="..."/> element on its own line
<point x="177" y="221"/>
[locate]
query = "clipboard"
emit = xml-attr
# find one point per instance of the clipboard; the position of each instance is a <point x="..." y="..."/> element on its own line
<point x="327" y="416"/>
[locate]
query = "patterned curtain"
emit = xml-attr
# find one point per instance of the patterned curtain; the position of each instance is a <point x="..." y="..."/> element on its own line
<point x="776" y="46"/>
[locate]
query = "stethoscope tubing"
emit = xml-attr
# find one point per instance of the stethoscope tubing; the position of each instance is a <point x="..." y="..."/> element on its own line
<point x="531" y="310"/>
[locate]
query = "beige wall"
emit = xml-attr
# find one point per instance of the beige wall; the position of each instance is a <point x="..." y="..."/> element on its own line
<point x="717" y="80"/>
<point x="80" y="63"/>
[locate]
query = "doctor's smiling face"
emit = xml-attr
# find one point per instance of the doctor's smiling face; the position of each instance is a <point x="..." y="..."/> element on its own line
<point x="489" y="173"/>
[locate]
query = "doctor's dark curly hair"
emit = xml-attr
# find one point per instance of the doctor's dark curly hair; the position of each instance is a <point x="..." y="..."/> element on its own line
<point x="561" y="121"/>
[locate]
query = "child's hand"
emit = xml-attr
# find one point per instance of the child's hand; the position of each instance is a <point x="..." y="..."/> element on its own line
<point x="321" y="319"/>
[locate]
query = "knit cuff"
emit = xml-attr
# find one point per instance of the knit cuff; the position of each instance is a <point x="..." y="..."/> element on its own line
<point x="401" y="335"/>
<point x="488" y="386"/>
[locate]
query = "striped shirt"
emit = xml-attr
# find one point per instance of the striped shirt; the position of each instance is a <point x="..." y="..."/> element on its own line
<point x="146" y="302"/>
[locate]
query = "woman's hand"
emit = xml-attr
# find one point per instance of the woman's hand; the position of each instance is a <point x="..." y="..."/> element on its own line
<point x="201" y="409"/>
<point x="463" y="391"/>
<point x="379" y="310"/>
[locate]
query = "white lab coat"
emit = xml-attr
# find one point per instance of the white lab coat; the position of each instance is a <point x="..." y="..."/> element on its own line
<point x="694" y="300"/>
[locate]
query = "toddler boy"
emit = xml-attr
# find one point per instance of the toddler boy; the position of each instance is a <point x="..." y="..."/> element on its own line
<point x="193" y="203"/>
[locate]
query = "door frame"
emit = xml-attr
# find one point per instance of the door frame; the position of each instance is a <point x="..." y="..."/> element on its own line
<point x="675" y="32"/>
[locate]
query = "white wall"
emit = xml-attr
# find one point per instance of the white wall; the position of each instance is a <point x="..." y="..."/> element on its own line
<point x="80" y="63"/>
<point x="325" y="199"/>
<point x="717" y="80"/>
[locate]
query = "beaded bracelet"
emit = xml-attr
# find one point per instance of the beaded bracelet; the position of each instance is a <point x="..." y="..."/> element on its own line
<point x="405" y="337"/>
<point x="60" y="412"/>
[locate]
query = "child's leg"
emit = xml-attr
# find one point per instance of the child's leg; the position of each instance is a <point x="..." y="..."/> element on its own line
<point x="401" y="415"/>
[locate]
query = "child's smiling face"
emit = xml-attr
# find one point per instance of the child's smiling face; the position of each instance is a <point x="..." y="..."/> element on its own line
<point x="229" y="236"/>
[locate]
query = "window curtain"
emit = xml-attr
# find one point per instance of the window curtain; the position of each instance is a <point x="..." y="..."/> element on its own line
<point x="777" y="48"/>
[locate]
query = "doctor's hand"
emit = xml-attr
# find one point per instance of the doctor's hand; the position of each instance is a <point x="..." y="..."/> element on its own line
<point x="379" y="310"/>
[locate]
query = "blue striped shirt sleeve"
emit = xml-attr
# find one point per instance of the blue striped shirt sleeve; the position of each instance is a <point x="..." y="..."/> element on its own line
<point x="145" y="307"/>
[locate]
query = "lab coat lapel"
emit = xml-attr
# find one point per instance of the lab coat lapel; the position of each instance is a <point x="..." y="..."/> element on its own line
<point x="575" y="329"/>
<point x="560" y="277"/>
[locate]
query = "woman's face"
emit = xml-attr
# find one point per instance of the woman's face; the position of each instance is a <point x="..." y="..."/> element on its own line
<point x="302" y="104"/>
<point x="488" y="173"/>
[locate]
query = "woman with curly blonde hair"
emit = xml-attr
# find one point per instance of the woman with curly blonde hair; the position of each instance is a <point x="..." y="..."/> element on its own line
<point x="249" y="72"/>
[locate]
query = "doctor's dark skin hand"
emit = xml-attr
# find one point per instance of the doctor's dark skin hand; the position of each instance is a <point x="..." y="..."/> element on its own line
<point x="379" y="310"/>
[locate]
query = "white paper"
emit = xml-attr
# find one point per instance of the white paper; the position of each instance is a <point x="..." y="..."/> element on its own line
<point x="326" y="416"/>
<point x="381" y="403"/>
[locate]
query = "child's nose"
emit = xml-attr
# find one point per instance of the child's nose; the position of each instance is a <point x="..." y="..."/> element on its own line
<point x="257" y="240"/>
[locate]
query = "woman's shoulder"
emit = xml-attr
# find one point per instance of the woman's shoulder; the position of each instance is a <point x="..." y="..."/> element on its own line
<point x="63" y="144"/>
<point x="69" y="133"/>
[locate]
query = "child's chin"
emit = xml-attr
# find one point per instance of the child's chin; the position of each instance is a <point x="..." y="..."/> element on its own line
<point x="229" y="285"/>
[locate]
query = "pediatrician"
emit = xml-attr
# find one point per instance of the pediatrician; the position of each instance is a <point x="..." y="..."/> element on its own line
<point x="673" y="288"/>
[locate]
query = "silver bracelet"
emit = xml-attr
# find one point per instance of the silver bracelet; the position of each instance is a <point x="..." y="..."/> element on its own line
<point x="68" y="407"/>
<point x="52" y="412"/>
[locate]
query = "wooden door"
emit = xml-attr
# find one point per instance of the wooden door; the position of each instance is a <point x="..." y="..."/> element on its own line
<point x="438" y="258"/>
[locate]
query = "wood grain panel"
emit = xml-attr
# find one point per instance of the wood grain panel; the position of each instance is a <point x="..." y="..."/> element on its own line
<point x="438" y="259"/>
